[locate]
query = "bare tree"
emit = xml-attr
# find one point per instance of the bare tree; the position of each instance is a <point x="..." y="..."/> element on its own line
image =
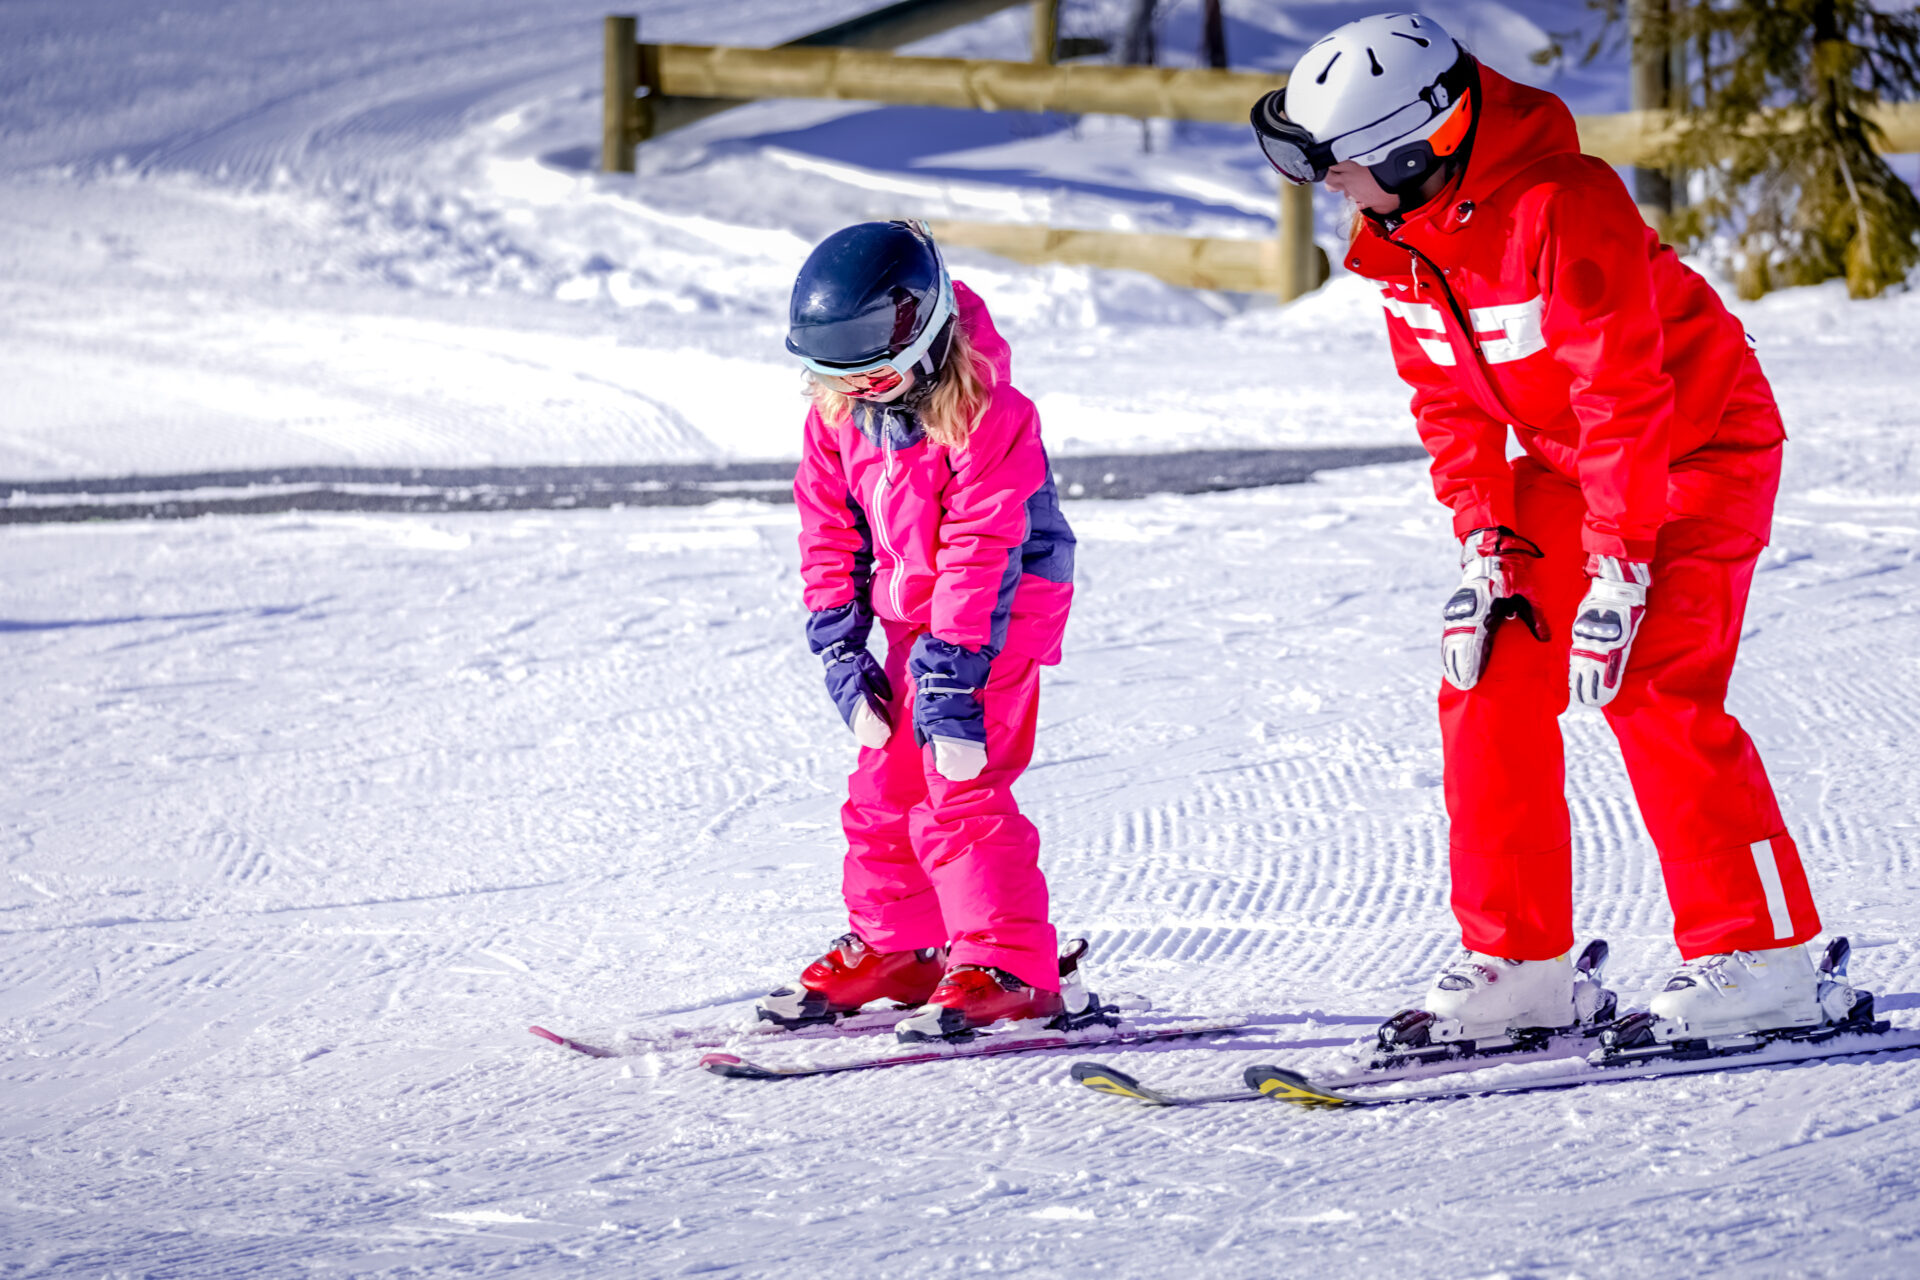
<point x="1139" y="48"/>
<point x="1213" y="35"/>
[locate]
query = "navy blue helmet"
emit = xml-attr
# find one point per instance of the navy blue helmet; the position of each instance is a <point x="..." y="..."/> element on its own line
<point x="867" y="295"/>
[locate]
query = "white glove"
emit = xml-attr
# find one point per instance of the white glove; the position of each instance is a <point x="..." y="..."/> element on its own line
<point x="870" y="727"/>
<point x="1484" y="599"/>
<point x="957" y="759"/>
<point x="1605" y="625"/>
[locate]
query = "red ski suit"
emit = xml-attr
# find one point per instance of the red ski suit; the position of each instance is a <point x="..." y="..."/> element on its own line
<point x="969" y="544"/>
<point x="1530" y="293"/>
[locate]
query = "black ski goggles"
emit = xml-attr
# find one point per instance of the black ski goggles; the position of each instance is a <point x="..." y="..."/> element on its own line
<point x="1290" y="149"/>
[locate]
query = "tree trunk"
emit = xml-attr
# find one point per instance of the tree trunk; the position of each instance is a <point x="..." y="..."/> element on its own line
<point x="1213" y="35"/>
<point x="1651" y="89"/>
<point x="1139" y="48"/>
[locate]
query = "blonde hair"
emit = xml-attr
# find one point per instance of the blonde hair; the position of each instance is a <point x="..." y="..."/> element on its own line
<point x="950" y="414"/>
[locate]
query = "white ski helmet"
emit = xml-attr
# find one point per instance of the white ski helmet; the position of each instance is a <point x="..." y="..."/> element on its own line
<point x="1393" y="92"/>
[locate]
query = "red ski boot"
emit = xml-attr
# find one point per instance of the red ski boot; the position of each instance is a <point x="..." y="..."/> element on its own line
<point x="974" y="996"/>
<point x="851" y="975"/>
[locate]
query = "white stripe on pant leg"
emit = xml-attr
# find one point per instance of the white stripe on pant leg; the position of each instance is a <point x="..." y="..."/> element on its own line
<point x="1776" y="892"/>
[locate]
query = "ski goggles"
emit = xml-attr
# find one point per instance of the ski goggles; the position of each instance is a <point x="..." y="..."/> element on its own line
<point x="1296" y="154"/>
<point x="1302" y="158"/>
<point x="879" y="377"/>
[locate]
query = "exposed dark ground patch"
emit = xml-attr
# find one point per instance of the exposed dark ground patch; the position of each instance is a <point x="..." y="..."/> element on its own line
<point x="437" y="491"/>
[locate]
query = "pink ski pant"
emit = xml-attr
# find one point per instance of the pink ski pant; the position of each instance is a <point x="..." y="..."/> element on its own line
<point x="1732" y="872"/>
<point x="934" y="863"/>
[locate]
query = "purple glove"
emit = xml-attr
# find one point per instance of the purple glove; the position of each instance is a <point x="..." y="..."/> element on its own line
<point x="947" y="706"/>
<point x="855" y="682"/>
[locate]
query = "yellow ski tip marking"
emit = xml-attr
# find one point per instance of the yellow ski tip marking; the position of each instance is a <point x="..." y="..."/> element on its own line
<point x="1281" y="1091"/>
<point x="1107" y="1080"/>
<point x="1107" y="1084"/>
<point x="1286" y="1086"/>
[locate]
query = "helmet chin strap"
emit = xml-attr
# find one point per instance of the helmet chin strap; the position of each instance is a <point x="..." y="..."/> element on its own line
<point x="1408" y="187"/>
<point x="1409" y="193"/>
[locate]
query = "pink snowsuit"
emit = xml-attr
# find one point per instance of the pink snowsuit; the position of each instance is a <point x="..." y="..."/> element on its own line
<point x="969" y="544"/>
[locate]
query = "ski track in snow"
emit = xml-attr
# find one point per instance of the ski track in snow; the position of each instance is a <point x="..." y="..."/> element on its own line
<point x="294" y="859"/>
<point x="308" y="817"/>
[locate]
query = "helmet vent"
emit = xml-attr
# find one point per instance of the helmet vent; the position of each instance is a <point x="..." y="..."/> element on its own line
<point x="1377" y="68"/>
<point x="1322" y="77"/>
<point x="1422" y="41"/>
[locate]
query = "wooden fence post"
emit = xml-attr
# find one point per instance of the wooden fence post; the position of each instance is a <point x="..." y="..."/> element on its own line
<point x="1046" y="31"/>
<point x="1299" y="266"/>
<point x="618" y="131"/>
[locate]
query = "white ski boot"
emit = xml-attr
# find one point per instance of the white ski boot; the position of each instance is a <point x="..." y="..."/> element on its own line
<point x="1486" y="1004"/>
<point x="1738" y="993"/>
<point x="1738" y="1001"/>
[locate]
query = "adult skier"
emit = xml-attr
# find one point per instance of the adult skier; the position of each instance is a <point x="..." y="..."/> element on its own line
<point x="1522" y="289"/>
<point x="927" y="504"/>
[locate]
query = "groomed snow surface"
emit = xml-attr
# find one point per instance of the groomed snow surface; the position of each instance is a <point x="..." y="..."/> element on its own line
<point x="308" y="817"/>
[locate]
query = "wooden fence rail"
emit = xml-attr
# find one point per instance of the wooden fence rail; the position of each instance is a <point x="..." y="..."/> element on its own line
<point x="638" y="74"/>
<point x="1166" y="93"/>
<point x="902" y="22"/>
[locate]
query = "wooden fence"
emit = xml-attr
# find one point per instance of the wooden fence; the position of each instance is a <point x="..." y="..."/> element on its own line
<point x="642" y="77"/>
<point x="630" y="119"/>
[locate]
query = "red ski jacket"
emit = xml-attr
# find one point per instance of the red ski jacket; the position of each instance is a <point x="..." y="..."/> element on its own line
<point x="1530" y="292"/>
<point x="969" y="543"/>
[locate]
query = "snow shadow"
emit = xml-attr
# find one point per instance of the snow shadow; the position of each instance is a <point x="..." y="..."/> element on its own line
<point x="134" y="619"/>
<point x="910" y="141"/>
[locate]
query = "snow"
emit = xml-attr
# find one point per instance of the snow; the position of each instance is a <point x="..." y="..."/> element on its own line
<point x="309" y="816"/>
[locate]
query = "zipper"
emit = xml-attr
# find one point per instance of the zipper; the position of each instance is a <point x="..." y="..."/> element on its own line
<point x="1446" y="291"/>
<point x="880" y="521"/>
<point x="1482" y="374"/>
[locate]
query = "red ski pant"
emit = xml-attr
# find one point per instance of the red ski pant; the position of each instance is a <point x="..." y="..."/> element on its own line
<point x="936" y="863"/>
<point x="1732" y="872"/>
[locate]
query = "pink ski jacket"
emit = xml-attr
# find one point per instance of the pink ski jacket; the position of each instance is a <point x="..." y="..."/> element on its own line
<point x="967" y="543"/>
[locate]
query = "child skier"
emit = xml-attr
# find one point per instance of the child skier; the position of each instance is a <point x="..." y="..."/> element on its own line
<point x="1522" y="288"/>
<point x="927" y="503"/>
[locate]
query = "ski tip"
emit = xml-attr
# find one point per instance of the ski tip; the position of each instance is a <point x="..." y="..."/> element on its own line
<point x="592" y="1051"/>
<point x="726" y="1064"/>
<point x="1283" y="1085"/>
<point x="1105" y="1079"/>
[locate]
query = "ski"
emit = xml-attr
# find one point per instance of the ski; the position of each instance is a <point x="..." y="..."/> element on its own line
<point x="1301" y="1090"/>
<point x="983" y="1046"/>
<point x="591" y="1050"/>
<point x="1105" y="1079"/>
<point x="1567" y="1046"/>
<point x="859" y="1025"/>
<point x="864" y="1023"/>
